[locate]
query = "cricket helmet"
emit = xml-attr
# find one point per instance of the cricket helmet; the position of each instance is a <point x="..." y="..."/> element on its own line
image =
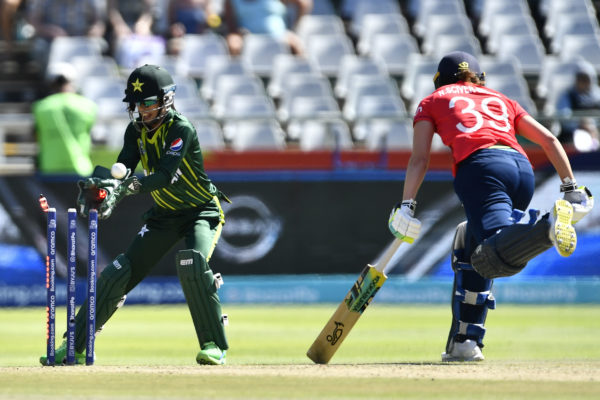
<point x="454" y="63"/>
<point x="148" y="82"/>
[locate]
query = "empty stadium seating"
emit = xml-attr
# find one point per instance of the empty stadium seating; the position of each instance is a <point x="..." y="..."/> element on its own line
<point x="366" y="67"/>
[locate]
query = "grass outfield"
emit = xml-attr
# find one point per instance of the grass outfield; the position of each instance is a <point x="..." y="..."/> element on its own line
<point x="148" y="352"/>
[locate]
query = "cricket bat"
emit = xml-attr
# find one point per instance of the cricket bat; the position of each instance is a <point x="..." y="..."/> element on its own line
<point x="349" y="311"/>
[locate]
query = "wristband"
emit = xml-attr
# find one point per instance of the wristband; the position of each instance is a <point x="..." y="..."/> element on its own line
<point x="568" y="185"/>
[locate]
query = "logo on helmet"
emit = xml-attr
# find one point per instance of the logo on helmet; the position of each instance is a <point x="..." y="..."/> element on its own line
<point x="137" y="85"/>
<point x="463" y="66"/>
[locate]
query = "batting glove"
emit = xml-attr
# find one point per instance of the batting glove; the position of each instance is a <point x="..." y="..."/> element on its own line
<point x="402" y="223"/>
<point x="580" y="198"/>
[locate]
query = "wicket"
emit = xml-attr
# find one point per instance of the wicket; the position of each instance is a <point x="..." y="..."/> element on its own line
<point x="71" y="284"/>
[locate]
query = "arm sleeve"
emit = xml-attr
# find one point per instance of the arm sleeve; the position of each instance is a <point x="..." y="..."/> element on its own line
<point x="130" y="153"/>
<point x="423" y="112"/>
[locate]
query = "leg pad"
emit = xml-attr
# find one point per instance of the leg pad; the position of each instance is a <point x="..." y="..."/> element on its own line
<point x="508" y="251"/>
<point x="200" y="289"/>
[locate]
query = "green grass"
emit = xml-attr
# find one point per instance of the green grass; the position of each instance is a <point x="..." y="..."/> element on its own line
<point x="532" y="352"/>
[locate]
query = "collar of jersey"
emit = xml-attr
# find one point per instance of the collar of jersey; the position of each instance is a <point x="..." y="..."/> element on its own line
<point x="159" y="131"/>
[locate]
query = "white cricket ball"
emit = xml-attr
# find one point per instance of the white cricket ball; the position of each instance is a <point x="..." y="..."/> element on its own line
<point x="118" y="170"/>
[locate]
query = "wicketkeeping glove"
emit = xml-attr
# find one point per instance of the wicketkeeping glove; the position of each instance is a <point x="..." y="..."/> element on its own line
<point x="128" y="187"/>
<point x="92" y="192"/>
<point x="580" y="198"/>
<point x="402" y="223"/>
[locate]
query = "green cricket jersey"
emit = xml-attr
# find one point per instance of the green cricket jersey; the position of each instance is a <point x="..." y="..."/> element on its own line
<point x="172" y="162"/>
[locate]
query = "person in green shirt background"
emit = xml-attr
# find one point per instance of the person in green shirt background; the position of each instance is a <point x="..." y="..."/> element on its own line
<point x="63" y="124"/>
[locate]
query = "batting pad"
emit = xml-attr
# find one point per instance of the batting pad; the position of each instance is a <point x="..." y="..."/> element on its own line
<point x="508" y="251"/>
<point x="200" y="289"/>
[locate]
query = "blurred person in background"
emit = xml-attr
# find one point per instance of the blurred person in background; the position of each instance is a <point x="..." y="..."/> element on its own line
<point x="8" y="12"/>
<point x="135" y="31"/>
<point x="582" y="98"/>
<point x="263" y="17"/>
<point x="189" y="17"/>
<point x="63" y="122"/>
<point x="55" y="18"/>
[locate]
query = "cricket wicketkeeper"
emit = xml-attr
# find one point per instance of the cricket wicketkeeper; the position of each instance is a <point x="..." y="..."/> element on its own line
<point x="494" y="180"/>
<point x="186" y="206"/>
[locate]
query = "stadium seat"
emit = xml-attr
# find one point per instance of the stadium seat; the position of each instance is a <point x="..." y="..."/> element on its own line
<point x="557" y="10"/>
<point x="95" y="88"/>
<point x="186" y="88"/>
<point x="379" y="106"/>
<point x="452" y="10"/>
<point x="192" y="108"/>
<point x="92" y="65"/>
<point x="241" y="106"/>
<point x="248" y="135"/>
<point x="329" y="134"/>
<point x="528" y="49"/>
<point x="417" y="65"/>
<point x="367" y="85"/>
<point x="445" y="44"/>
<point x="494" y="8"/>
<point x="553" y="69"/>
<point x="64" y="48"/>
<point x="311" y="107"/>
<point x="327" y="50"/>
<point x="436" y="26"/>
<point x="210" y="134"/>
<point x="217" y="66"/>
<point x="166" y="61"/>
<point x="319" y="24"/>
<point x="575" y="24"/>
<point x="284" y="65"/>
<point x="379" y="23"/>
<point x="357" y="11"/>
<point x="230" y="85"/>
<point x="196" y="50"/>
<point x="511" y="25"/>
<point x="393" y="50"/>
<point x="352" y="65"/>
<point x="389" y="134"/>
<point x="584" y="46"/>
<point x="508" y="67"/>
<point x="259" y="52"/>
<point x="301" y="85"/>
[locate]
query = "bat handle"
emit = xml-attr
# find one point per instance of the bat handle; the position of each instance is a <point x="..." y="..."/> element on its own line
<point x="386" y="257"/>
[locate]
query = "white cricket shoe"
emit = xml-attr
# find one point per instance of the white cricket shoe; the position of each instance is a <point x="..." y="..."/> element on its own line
<point x="562" y="232"/>
<point x="465" y="351"/>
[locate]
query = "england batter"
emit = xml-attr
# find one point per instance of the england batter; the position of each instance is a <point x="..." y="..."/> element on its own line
<point x="494" y="180"/>
<point x="186" y="206"/>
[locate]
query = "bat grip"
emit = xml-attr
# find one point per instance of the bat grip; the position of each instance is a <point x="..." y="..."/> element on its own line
<point x="387" y="255"/>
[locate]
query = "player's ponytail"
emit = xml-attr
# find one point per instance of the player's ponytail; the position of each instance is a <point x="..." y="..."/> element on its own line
<point x="471" y="77"/>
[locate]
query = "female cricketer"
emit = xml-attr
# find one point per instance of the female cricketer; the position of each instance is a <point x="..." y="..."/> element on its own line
<point x="186" y="206"/>
<point x="493" y="178"/>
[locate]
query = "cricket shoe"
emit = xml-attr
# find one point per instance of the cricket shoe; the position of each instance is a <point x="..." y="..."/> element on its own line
<point x="60" y="356"/>
<point x="211" y="354"/>
<point x="463" y="351"/>
<point x="562" y="232"/>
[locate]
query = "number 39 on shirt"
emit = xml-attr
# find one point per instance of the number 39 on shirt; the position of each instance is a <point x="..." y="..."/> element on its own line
<point x="498" y="121"/>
